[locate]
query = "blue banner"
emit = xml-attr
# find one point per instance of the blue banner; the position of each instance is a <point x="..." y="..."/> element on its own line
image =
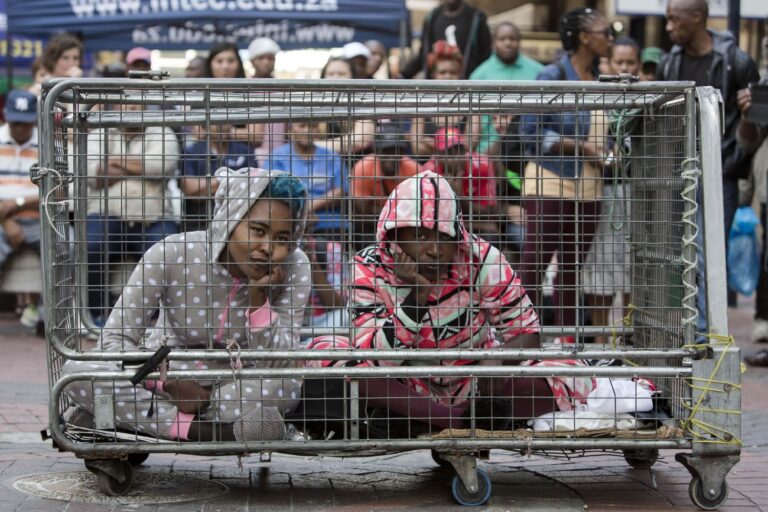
<point x="288" y="34"/>
<point x="182" y="24"/>
<point x="22" y="49"/>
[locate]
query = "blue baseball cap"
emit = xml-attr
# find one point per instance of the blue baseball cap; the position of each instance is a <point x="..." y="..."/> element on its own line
<point x="20" y="107"/>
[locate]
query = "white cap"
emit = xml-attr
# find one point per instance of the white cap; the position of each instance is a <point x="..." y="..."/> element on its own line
<point x="355" y="49"/>
<point x="262" y="46"/>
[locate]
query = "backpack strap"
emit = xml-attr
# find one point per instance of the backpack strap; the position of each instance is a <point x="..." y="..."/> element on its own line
<point x="426" y="47"/>
<point x="561" y="68"/>
<point x="470" y="42"/>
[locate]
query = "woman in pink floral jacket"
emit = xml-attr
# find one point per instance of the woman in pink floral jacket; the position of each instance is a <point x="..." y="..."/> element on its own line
<point x="430" y="284"/>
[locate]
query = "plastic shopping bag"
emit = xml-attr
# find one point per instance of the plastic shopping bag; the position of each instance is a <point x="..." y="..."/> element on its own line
<point x="583" y="419"/>
<point x="619" y="396"/>
<point x="743" y="252"/>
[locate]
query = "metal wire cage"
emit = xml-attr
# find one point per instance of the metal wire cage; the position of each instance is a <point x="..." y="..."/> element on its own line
<point x="344" y="301"/>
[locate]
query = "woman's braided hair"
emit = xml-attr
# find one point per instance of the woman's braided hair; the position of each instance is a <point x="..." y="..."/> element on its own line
<point x="573" y="23"/>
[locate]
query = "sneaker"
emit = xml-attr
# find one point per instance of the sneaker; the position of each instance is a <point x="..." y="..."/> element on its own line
<point x="30" y="316"/>
<point x="260" y="424"/>
<point x="758" y="359"/>
<point x="292" y="433"/>
<point x="760" y="330"/>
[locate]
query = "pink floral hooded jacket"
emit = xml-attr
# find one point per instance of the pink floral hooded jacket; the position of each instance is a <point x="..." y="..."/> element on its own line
<point x="480" y="304"/>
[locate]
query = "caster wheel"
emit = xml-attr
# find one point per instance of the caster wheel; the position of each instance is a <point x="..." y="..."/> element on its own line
<point x="110" y="486"/>
<point x="439" y="461"/>
<point x="641" y="458"/>
<point x="472" y="499"/>
<point x="703" y="499"/>
<point x="137" y="459"/>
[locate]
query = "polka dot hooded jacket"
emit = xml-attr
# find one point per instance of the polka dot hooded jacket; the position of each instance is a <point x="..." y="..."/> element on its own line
<point x="200" y="305"/>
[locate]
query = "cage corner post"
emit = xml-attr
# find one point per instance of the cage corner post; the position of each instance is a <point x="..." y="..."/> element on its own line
<point x="715" y="408"/>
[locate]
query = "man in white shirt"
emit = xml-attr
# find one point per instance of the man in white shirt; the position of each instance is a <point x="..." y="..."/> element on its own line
<point x="19" y="200"/>
<point x="128" y="168"/>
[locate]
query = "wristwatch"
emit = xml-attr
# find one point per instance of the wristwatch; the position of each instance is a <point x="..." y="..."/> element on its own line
<point x="20" y="202"/>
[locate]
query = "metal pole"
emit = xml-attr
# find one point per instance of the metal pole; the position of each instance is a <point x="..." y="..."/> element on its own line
<point x="734" y="13"/>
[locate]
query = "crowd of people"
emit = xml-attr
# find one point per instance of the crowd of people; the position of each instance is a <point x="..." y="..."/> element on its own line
<point x="536" y="190"/>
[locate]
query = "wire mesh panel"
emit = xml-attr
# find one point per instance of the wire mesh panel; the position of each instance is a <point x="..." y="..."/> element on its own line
<point x="664" y="268"/>
<point x="362" y="267"/>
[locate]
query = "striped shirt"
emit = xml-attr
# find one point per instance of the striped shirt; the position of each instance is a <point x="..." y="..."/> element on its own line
<point x="15" y="162"/>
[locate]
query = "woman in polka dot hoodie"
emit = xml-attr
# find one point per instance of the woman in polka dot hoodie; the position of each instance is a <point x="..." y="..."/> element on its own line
<point x="242" y="283"/>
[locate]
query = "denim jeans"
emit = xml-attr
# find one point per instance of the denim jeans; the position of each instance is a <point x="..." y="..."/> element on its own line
<point x="31" y="229"/>
<point x="730" y="204"/>
<point x="108" y="239"/>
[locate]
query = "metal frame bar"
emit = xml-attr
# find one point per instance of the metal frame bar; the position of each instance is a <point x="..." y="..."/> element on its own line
<point x="360" y="99"/>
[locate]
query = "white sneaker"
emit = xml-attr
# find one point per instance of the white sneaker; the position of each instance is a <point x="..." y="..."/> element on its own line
<point x="30" y="316"/>
<point x="760" y="330"/>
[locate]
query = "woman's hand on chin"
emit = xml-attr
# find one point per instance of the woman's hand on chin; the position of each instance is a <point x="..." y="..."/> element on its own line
<point x="407" y="271"/>
<point x="258" y="288"/>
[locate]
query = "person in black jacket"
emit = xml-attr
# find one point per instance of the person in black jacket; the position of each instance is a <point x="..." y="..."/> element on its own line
<point x="711" y="58"/>
<point x="459" y="25"/>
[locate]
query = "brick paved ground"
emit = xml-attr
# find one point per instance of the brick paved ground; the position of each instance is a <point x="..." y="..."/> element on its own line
<point x="403" y="482"/>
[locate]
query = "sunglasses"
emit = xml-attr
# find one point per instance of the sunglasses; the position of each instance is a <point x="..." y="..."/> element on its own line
<point x="608" y="32"/>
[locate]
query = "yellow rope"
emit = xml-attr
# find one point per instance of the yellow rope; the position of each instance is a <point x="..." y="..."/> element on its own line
<point x="716" y="434"/>
<point x="626" y="321"/>
<point x="711" y="434"/>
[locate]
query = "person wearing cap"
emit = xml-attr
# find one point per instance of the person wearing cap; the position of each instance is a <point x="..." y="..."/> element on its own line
<point x="262" y="52"/>
<point x="357" y="54"/>
<point x="139" y="59"/>
<point x="649" y="61"/>
<point x="472" y="178"/>
<point x="375" y="176"/>
<point x="19" y="215"/>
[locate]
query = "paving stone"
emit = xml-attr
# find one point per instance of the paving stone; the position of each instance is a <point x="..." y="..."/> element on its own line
<point x="397" y="482"/>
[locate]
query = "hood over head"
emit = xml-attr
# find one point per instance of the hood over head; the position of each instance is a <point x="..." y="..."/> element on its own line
<point x="722" y="40"/>
<point x="424" y="200"/>
<point x="238" y="191"/>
